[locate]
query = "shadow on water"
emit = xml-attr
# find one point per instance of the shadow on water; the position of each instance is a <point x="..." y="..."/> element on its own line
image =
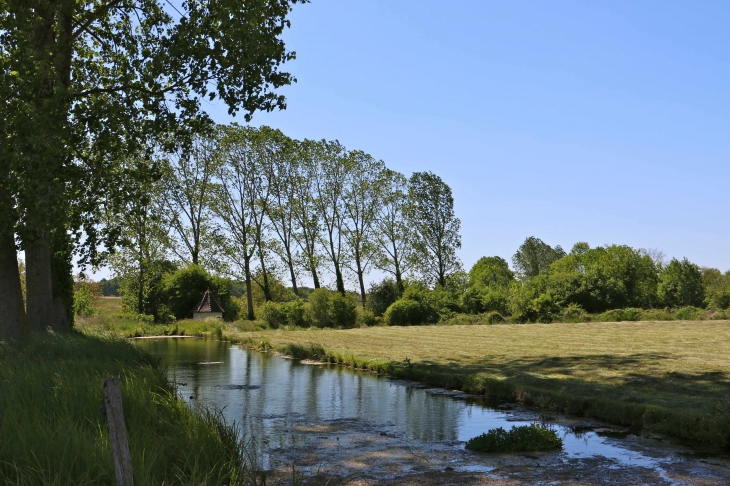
<point x="269" y="397"/>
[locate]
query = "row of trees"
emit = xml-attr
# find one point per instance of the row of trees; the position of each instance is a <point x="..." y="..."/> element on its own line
<point x="84" y="83"/>
<point x="548" y="284"/>
<point x="256" y="205"/>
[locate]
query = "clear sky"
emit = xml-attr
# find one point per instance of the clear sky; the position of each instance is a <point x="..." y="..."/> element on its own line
<point x="606" y="122"/>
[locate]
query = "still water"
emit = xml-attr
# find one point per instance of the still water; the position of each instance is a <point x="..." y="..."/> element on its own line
<point x="267" y="395"/>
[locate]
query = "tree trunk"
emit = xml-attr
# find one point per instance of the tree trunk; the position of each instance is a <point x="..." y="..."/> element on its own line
<point x="315" y="277"/>
<point x="265" y="275"/>
<point x="249" y="294"/>
<point x="338" y="276"/>
<point x="293" y="276"/>
<point x="360" y="277"/>
<point x="140" y="290"/>
<point x="13" y="321"/>
<point x="38" y="285"/>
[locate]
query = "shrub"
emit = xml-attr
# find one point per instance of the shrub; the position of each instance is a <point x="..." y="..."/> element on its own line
<point x="493" y="317"/>
<point x="406" y="312"/>
<point x="343" y="310"/>
<point x="573" y="313"/>
<point x="319" y="304"/>
<point x="656" y="315"/>
<point x="367" y="318"/>
<point x="273" y="314"/>
<point x="525" y="438"/>
<point x="84" y="302"/>
<point x="689" y="313"/>
<point x="381" y="295"/>
<point x="298" y="314"/>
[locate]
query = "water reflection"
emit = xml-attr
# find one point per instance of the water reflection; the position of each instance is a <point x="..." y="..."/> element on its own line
<point x="267" y="395"/>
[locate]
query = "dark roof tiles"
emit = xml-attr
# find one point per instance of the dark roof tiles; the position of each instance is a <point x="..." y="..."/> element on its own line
<point x="208" y="304"/>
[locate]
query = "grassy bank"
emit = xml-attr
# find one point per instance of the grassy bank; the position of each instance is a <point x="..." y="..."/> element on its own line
<point x="667" y="377"/>
<point x="52" y="430"/>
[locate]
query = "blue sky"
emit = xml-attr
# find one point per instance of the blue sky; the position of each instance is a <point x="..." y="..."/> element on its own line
<point x="605" y="122"/>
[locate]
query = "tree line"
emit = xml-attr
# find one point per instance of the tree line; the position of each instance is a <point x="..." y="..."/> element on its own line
<point x="255" y="205"/>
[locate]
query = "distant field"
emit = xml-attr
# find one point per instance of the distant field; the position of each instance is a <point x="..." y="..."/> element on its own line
<point x="672" y="377"/>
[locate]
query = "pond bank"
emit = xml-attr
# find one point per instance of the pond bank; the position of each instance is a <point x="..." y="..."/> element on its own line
<point x="667" y="378"/>
<point x="358" y="428"/>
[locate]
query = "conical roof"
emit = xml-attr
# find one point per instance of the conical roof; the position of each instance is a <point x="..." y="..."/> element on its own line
<point x="208" y="304"/>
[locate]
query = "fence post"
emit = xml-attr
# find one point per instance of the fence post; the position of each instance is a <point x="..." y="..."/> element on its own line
<point x="118" y="432"/>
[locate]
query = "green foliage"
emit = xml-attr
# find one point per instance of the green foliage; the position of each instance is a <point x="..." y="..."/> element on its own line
<point x="84" y="302"/>
<point x="494" y="317"/>
<point x="573" y="313"/>
<point x="619" y="315"/>
<point x="680" y="284"/>
<point x="381" y="296"/>
<point x="525" y="438"/>
<point x="273" y="314"/>
<point x="319" y="303"/>
<point x="153" y="299"/>
<point x="343" y="310"/>
<point x="430" y="212"/>
<point x="110" y="288"/>
<point x="490" y="272"/>
<point x="298" y="314"/>
<point x="184" y="288"/>
<point x="534" y="257"/>
<point x="689" y="313"/>
<point x="367" y="318"/>
<point x="717" y="288"/>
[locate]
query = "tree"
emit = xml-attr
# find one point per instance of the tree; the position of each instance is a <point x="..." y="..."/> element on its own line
<point x="307" y="224"/>
<point x="144" y="237"/>
<point x="282" y="172"/>
<point x="392" y="231"/>
<point x="491" y="272"/>
<point x="188" y="182"/>
<point x="534" y="257"/>
<point x="241" y="198"/>
<point x="436" y="228"/>
<point x="362" y="200"/>
<point x="330" y="177"/>
<point x="184" y="288"/>
<point x="84" y="82"/>
<point x="680" y="284"/>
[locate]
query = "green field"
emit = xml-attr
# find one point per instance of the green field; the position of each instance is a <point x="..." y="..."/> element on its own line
<point x="668" y="377"/>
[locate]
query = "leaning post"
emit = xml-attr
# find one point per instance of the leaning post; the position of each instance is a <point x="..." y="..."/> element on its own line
<point x="118" y="432"/>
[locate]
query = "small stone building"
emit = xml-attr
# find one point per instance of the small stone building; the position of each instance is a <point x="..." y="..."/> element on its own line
<point x="207" y="308"/>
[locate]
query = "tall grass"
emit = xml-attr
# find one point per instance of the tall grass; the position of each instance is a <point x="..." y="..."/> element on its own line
<point x="53" y="433"/>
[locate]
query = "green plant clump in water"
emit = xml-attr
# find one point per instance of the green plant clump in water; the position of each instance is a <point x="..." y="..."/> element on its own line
<point x="526" y="438"/>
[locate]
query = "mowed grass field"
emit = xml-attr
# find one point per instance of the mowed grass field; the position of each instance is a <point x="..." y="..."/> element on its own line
<point x="670" y="377"/>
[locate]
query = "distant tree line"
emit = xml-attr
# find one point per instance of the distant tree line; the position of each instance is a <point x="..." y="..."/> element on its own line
<point x="613" y="282"/>
<point x="258" y="207"/>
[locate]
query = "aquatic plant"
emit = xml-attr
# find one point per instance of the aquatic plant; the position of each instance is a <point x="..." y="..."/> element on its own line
<point x="525" y="438"/>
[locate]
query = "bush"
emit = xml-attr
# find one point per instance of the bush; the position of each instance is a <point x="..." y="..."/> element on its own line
<point x="656" y="315"/>
<point x="689" y="313"/>
<point x="381" y="296"/>
<point x="343" y="310"/>
<point x="367" y="318"/>
<point x="319" y="304"/>
<point x="526" y="438"/>
<point x="573" y="313"/>
<point x="619" y="315"/>
<point x="298" y="314"/>
<point x="680" y="284"/>
<point x="84" y="302"/>
<point x="493" y="317"/>
<point x="273" y="314"/>
<point x="406" y="312"/>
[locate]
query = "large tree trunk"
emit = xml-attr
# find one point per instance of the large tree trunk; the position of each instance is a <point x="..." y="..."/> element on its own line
<point x="13" y="321"/>
<point x="265" y="276"/>
<point x="38" y="285"/>
<point x="360" y="276"/>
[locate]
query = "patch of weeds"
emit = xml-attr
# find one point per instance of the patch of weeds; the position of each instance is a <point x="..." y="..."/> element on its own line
<point x="525" y="438"/>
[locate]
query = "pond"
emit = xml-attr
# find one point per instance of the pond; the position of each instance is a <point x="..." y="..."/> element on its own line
<point x="342" y="423"/>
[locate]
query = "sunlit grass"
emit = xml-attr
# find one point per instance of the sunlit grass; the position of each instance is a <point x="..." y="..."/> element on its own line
<point x="672" y="377"/>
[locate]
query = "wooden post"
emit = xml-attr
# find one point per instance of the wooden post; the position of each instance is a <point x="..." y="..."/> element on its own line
<point x="118" y="432"/>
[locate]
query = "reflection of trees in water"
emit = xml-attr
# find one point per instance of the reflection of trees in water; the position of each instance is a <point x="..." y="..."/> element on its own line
<point x="292" y="393"/>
